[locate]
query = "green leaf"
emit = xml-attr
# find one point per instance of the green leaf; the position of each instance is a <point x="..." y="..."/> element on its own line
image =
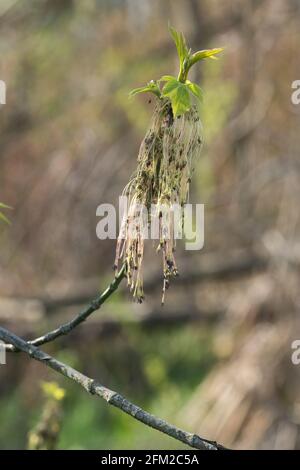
<point x="170" y="86"/>
<point x="195" y="89"/>
<point x="180" y="44"/>
<point x="211" y="53"/>
<point x="151" y="87"/>
<point x="179" y="95"/>
<point x="4" y="206"/>
<point x="167" y="78"/>
<point x="4" y="219"/>
<point x="2" y="216"/>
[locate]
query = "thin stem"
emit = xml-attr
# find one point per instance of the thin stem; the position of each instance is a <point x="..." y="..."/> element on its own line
<point x="184" y="70"/>
<point x="66" y="328"/>
<point x="113" y="398"/>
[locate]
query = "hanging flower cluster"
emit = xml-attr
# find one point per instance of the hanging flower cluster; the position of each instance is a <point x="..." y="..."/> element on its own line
<point x="164" y="169"/>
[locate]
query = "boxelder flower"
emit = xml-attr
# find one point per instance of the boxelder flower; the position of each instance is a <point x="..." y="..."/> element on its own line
<point x="164" y="169"/>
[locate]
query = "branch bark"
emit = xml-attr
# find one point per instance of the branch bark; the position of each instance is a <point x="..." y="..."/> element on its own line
<point x="214" y="270"/>
<point x="111" y="397"/>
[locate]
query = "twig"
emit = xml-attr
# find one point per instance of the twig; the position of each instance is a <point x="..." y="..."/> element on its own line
<point x="214" y="270"/>
<point x="113" y="398"/>
<point x="82" y="316"/>
<point x="108" y="325"/>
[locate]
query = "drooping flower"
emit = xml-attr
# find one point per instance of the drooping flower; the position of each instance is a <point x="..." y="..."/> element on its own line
<point x="164" y="169"/>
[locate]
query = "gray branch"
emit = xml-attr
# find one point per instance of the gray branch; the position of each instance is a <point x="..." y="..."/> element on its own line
<point x="215" y="270"/>
<point x="66" y="328"/>
<point x="113" y="398"/>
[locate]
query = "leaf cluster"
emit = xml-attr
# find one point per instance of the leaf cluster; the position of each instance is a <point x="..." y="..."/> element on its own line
<point x="179" y="90"/>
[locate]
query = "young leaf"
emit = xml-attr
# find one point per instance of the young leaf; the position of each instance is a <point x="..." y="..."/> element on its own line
<point x="170" y="86"/>
<point x="151" y="87"/>
<point x="211" y="53"/>
<point x="4" y="206"/>
<point x="167" y="78"/>
<point x="179" y="96"/>
<point x="180" y="44"/>
<point x="2" y="216"/>
<point x="4" y="219"/>
<point x="195" y="89"/>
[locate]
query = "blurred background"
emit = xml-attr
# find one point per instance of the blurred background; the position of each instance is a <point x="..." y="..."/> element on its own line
<point x="216" y="359"/>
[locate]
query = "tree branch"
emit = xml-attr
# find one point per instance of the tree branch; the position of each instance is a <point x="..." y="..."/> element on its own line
<point x="82" y="316"/>
<point x="113" y="398"/>
<point x="214" y="270"/>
